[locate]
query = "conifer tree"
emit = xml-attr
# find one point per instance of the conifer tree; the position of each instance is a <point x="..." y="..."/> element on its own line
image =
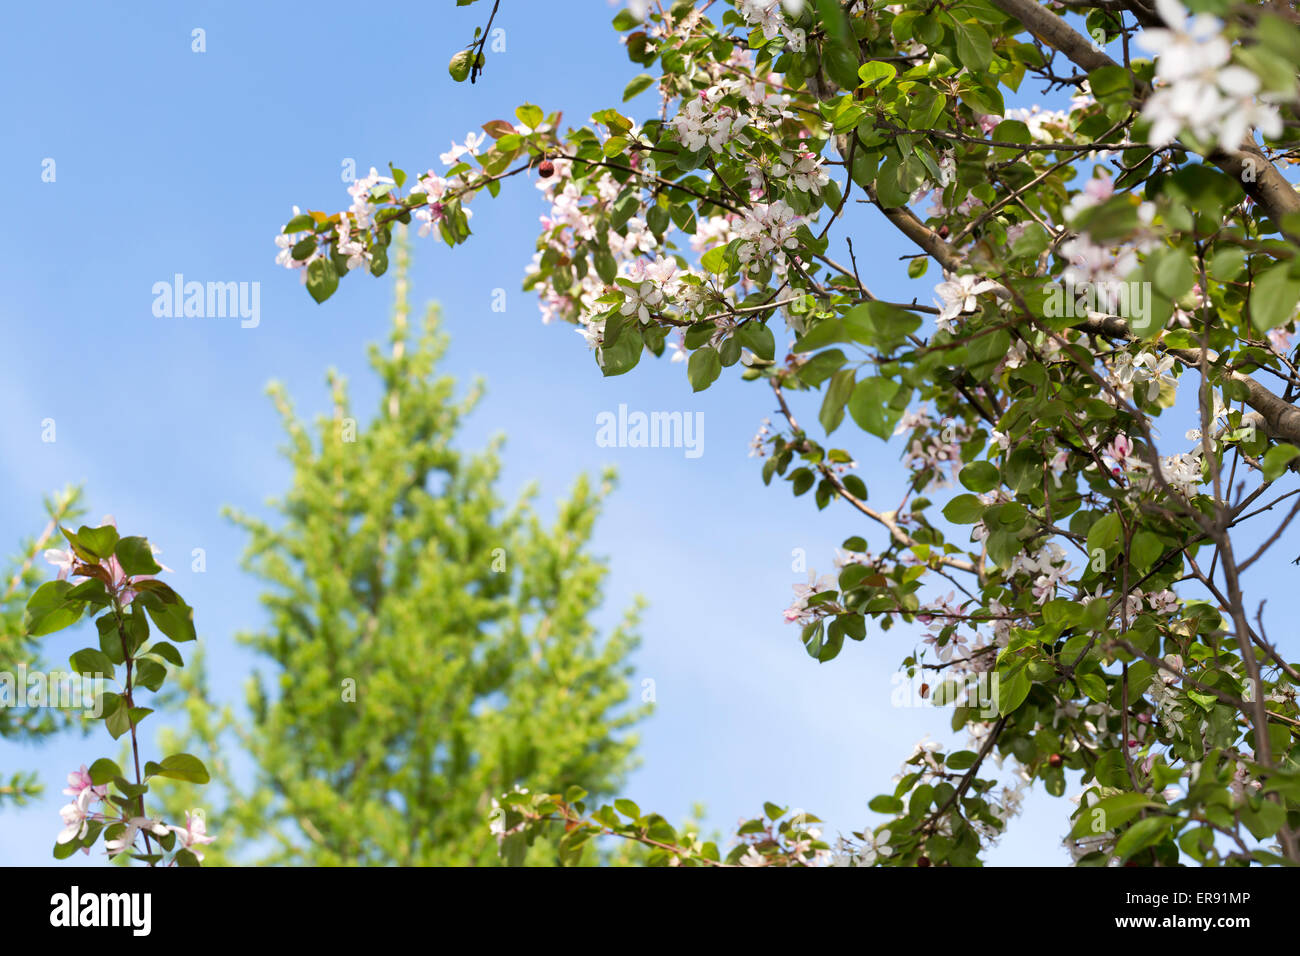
<point x="430" y="648"/>
<point x="19" y="653"/>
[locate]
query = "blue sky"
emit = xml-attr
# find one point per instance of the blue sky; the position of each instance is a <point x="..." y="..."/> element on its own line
<point x="170" y="161"/>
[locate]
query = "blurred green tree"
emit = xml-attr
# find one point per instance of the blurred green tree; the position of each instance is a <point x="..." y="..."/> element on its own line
<point x="430" y="647"/>
<point x="19" y="653"/>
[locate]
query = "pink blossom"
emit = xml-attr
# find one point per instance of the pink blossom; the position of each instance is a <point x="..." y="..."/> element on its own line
<point x="63" y="560"/>
<point x="1119" y="452"/>
<point x="194" y="834"/>
<point x="1099" y="188"/>
<point x="134" y="826"/>
<point x="79" y="781"/>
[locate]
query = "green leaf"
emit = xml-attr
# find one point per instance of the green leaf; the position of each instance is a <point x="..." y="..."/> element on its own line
<point x="855" y="625"/>
<point x="1145" y="550"/>
<point x="149" y="673"/>
<point x="104" y="770"/>
<point x="869" y="406"/>
<point x="729" y="351"/>
<point x="1276" y="460"/>
<point x="181" y="767"/>
<point x="1264" y="821"/>
<point x="1095" y="613"/>
<point x="886" y="804"/>
<point x="168" y="653"/>
<point x="128" y="789"/>
<point x="79" y="549"/>
<point x="514" y="848"/>
<point x="984" y="99"/>
<point x="880" y="324"/>
<point x="1104" y="533"/>
<point x="136" y="628"/>
<point x="1141" y="835"/>
<point x="175" y="620"/>
<point x="48" y="609"/>
<point x="1111" y="82"/>
<point x="820" y="335"/>
<point x="101" y="540"/>
<point x="1273" y="298"/>
<point x="623" y="20"/>
<point x="834" y="641"/>
<point x="1024" y="469"/>
<point x="974" y="49"/>
<point x="120" y="719"/>
<point x="1227" y="263"/>
<point x="605" y="265"/>
<point x="1111" y="813"/>
<point x="638" y="85"/>
<point x="964" y="509"/>
<point x="841" y="63"/>
<point x="758" y="338"/>
<point x="837" y="394"/>
<point x="530" y="115"/>
<point x="620" y="355"/>
<point x="90" y="661"/>
<point x="92" y="591"/>
<point x="876" y="73"/>
<point x="979" y="476"/>
<point x="136" y="557"/>
<point x="1174" y="273"/>
<point x="703" y="368"/>
<point x="299" y="223"/>
<point x="1035" y="238"/>
<point x="715" y="260"/>
<point x="1013" y="688"/>
<point x="1094" y="686"/>
<point x="322" y="280"/>
<point x="961" y="760"/>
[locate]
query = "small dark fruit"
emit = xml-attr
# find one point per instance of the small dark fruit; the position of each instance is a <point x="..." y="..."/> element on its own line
<point x="546" y="169"/>
<point x="1055" y="760"/>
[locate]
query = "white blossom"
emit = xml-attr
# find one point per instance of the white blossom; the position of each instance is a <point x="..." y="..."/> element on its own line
<point x="959" y="294"/>
<point x="1197" y="88"/>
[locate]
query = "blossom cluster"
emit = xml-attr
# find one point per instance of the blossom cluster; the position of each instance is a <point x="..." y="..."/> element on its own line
<point x="767" y="16"/>
<point x="934" y="449"/>
<point x="81" y="812"/>
<point x="1199" y="89"/>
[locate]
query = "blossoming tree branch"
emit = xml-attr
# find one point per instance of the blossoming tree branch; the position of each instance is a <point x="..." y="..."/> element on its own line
<point x="116" y="576"/>
<point x="1108" y="267"/>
